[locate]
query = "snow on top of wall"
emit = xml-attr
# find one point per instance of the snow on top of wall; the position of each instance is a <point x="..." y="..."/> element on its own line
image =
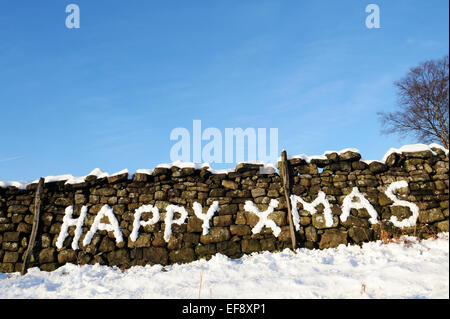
<point x="404" y="149"/>
<point x="18" y="184"/>
<point x="265" y="168"/>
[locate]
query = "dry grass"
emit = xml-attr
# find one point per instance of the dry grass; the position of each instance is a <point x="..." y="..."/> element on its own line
<point x="363" y="288"/>
<point x="200" y="287"/>
<point x="398" y="238"/>
<point x="401" y="237"/>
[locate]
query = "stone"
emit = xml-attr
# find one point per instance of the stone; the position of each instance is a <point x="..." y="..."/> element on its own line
<point x="229" y="184"/>
<point x="18" y="209"/>
<point x="222" y="220"/>
<point x="11" y="236"/>
<point x="159" y="171"/>
<point x="245" y="167"/>
<point x="240" y="230"/>
<point x="160" y="195"/>
<point x="392" y="160"/>
<point x="67" y="256"/>
<point x="62" y="201"/>
<point x="273" y="193"/>
<point x="194" y="225"/>
<point x="46" y="218"/>
<point x="383" y="200"/>
<point x="318" y="221"/>
<point x="353" y="221"/>
<point x="48" y="267"/>
<point x="321" y="163"/>
<point x="311" y="234"/>
<point x="250" y="246"/>
<point x="181" y="256"/>
<point x="241" y="218"/>
<point x="104" y="191"/>
<point x="10" y="246"/>
<point x="298" y="189"/>
<point x="118" y="257"/>
<point x="358" y="165"/>
<point x="279" y="217"/>
<point x="442" y="226"/>
<point x="333" y="238"/>
<point x="217" y="192"/>
<point x="377" y="167"/>
<point x="9" y="227"/>
<point x="191" y="239"/>
<point x="106" y="245"/>
<point x="359" y="234"/>
<point x="145" y="198"/>
<point x="141" y="177"/>
<point x="431" y="216"/>
<point x="400" y="211"/>
<point x="350" y="156"/>
<point x="205" y="250"/>
<point x="229" y="248"/>
<point x="10" y="257"/>
<point x="439" y="185"/>
<point x="158" y="240"/>
<point x="46" y="240"/>
<point x="175" y="241"/>
<point x="6" y="267"/>
<point x="420" y="177"/>
<point x="268" y="244"/>
<point x="215" y="235"/>
<point x="143" y="240"/>
<point x="118" y="178"/>
<point x="189" y="194"/>
<point x="155" y="255"/>
<point x="258" y="192"/>
<point x="421" y="154"/>
<point x="305" y="221"/>
<point x="80" y="199"/>
<point x="285" y="234"/>
<point x="47" y="255"/>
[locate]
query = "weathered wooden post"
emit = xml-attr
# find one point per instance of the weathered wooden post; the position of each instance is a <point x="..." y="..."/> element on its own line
<point x="37" y="208"/>
<point x="285" y="175"/>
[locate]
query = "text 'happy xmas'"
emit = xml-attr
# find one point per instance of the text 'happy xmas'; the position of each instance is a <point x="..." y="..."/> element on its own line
<point x="264" y="220"/>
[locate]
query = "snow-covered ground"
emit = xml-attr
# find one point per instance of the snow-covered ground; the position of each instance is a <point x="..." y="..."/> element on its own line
<point x="406" y="269"/>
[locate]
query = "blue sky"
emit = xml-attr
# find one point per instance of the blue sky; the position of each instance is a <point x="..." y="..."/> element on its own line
<point x="108" y="94"/>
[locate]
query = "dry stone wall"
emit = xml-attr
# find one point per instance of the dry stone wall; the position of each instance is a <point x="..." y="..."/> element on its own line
<point x="231" y="229"/>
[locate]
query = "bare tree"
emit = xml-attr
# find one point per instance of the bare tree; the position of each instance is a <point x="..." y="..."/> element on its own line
<point x="423" y="104"/>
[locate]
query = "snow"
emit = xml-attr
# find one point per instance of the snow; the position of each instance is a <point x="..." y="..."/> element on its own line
<point x="308" y="158"/>
<point x="69" y="221"/>
<point x="137" y="223"/>
<point x="263" y="217"/>
<point x="168" y="220"/>
<point x="348" y="204"/>
<point x="311" y="207"/>
<point x="18" y="184"/>
<point x="407" y="149"/>
<point x="198" y="210"/>
<point x="145" y="171"/>
<point x="266" y="168"/>
<point x="407" y="222"/>
<point x="405" y="269"/>
<point x="404" y="149"/>
<point x="112" y="226"/>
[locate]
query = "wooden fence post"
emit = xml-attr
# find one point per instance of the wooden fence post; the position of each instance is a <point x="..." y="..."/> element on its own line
<point x="285" y="175"/>
<point x="37" y="208"/>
